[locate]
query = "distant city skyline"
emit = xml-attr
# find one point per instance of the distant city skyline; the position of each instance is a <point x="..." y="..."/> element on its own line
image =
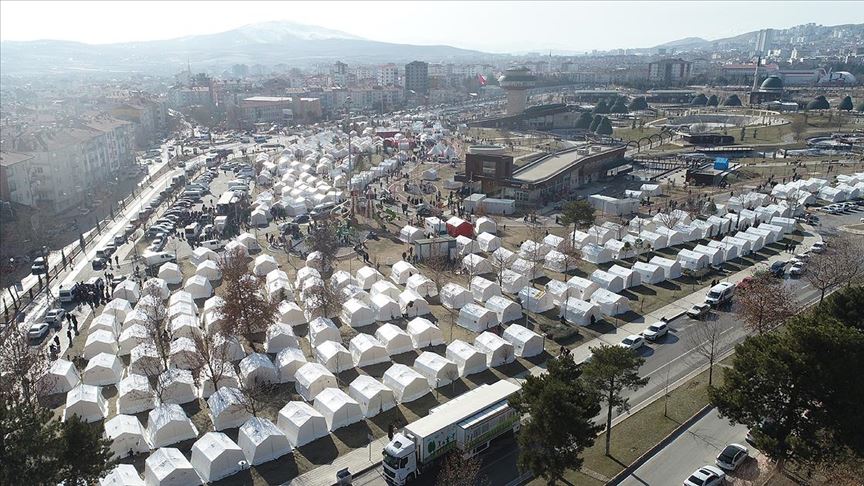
<point x="495" y="27"/>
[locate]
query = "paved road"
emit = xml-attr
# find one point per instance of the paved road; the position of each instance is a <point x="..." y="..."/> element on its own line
<point x="694" y="448"/>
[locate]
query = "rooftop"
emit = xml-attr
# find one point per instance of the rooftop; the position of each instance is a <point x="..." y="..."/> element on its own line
<point x="553" y="164"/>
<point x="8" y="159"/>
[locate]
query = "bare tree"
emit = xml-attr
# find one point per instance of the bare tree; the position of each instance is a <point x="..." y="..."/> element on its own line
<point x="572" y="255"/>
<point x="23" y="369"/>
<point x="324" y="239"/>
<point x="233" y="265"/>
<point x="842" y="263"/>
<point x="440" y="269"/>
<point x="707" y="340"/>
<point x="323" y="300"/>
<point x="254" y="395"/>
<point x="499" y="262"/>
<point x="157" y="342"/>
<point x="459" y="470"/>
<point x="212" y="353"/>
<point x="765" y="303"/>
<point x="671" y="218"/>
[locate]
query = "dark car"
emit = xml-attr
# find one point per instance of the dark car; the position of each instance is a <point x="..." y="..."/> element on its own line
<point x="303" y="218"/>
<point x="778" y="269"/>
<point x="98" y="263"/>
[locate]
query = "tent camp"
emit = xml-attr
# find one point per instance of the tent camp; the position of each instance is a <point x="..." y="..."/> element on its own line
<point x="788" y="224"/>
<point x="227" y="408"/>
<point x="366" y="350"/>
<point x="744" y="246"/>
<point x="437" y="370"/>
<point x="290" y="313"/>
<point x="400" y="272"/>
<point x="120" y="308"/>
<point x="339" y="409"/>
<point x="498" y="351"/>
<point x="423" y="333"/>
<point x="485" y="225"/>
<point x="340" y="279"/>
<point x="167" y="424"/>
<point x="87" y="402"/>
<point x="356" y="313"/>
<point x="631" y="278"/>
<point x="580" y="312"/>
<point x="137" y="316"/>
<point x="715" y="255"/>
<point x="200" y="254"/>
<point x="512" y="282"/>
<point x="729" y="251"/>
<point x="476" y="318"/>
<point x="303" y="274"/>
<point x="257" y="368"/>
<point x="311" y="378"/>
<point x="533" y="251"/>
<point x="582" y="287"/>
<point x="235" y="246"/>
<point x="216" y="456"/>
<point x="534" y="300"/>
<point x="395" y="340"/>
<point x="502" y="257"/>
<point x="168" y="466"/>
<point x="488" y="242"/>
<point x="178" y="386"/>
<point x="103" y="369"/>
<point x="199" y="287"/>
<point x="529" y="269"/>
<point x="322" y="329"/>
<point x="608" y="281"/>
<point x="556" y="261"/>
<point x="154" y="286"/>
<point x="288" y="361"/>
<point x="366" y="277"/>
<point x="483" y="289"/>
<point x="475" y="264"/>
<point x="249" y="241"/>
<point x="134" y="395"/>
<point x="505" y="309"/>
<point x="691" y="260"/>
<point x="209" y="270"/>
<point x="127" y="290"/>
<point x="757" y="242"/>
<point x="301" y="423"/>
<point x="554" y="242"/>
<point x="407" y="384"/>
<point x="610" y="304"/>
<point x="649" y="273"/>
<point x="143" y="359"/>
<point x="526" y="343"/>
<point x="333" y="356"/>
<point x="372" y="396"/>
<point x="184" y="354"/>
<point x="671" y="268"/>
<point x="184" y="325"/>
<point x="466" y="246"/>
<point x="100" y="341"/>
<point x="421" y="285"/>
<point x="227" y="377"/>
<point x="261" y="441"/>
<point x="410" y="234"/>
<point x="469" y="360"/>
<point x="280" y="336"/>
<point x="122" y="475"/>
<point x="412" y="305"/>
<point x="454" y="296"/>
<point x="595" y="254"/>
<point x="385" y="308"/>
<point x="107" y="322"/>
<point x="386" y="288"/>
<point x="62" y="376"/>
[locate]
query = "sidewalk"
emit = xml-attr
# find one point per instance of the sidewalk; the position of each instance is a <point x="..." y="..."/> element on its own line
<point x="357" y="461"/>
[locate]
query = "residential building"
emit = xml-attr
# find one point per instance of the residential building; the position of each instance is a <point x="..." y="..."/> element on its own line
<point x="281" y="110"/>
<point x="417" y="78"/>
<point x="669" y="72"/>
<point x="181" y="97"/>
<point x="388" y="75"/>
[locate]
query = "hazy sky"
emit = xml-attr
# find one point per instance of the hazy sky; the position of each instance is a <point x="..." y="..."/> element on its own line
<point x="490" y="26"/>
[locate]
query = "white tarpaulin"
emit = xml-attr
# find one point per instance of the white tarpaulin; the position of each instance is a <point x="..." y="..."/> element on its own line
<point x="366" y="350"/>
<point x="261" y="441"/>
<point x="498" y="351"/>
<point x="407" y="384"/>
<point x="311" y="378"/>
<point x="526" y="343"/>
<point x="468" y="359"/>
<point x="339" y="409"/>
<point x="168" y="467"/>
<point x="423" y="333"/>
<point x="372" y="395"/>
<point x="167" y="424"/>
<point x="394" y="339"/>
<point x="301" y="423"/>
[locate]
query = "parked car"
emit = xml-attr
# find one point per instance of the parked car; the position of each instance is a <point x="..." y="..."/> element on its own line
<point x="732" y="457"/>
<point x="655" y="331"/>
<point x="699" y="311"/>
<point x="706" y="476"/>
<point x="214" y="245"/>
<point x="55" y="317"/>
<point x="303" y="218"/>
<point x="98" y="263"/>
<point x="818" y="247"/>
<point x="778" y="269"/>
<point x="797" y="269"/>
<point x="39" y="266"/>
<point x="119" y="240"/>
<point x="633" y="341"/>
<point x="37" y="333"/>
<point x="720" y="294"/>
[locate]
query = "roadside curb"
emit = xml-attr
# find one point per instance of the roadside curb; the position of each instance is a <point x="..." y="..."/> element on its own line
<point x="627" y="471"/>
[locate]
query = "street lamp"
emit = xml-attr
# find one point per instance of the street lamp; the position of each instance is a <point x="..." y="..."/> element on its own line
<point x="47" y="275"/>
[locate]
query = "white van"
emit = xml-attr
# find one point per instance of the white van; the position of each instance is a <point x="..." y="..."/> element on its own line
<point x="158" y="258"/>
<point x="66" y="294"/>
<point x="720" y="294"/>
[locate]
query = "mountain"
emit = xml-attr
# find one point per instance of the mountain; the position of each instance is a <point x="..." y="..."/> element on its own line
<point x="267" y="43"/>
<point x="686" y="42"/>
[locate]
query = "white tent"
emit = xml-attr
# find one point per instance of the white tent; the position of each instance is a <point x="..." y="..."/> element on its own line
<point x="372" y="396"/>
<point x="333" y="356"/>
<point x="227" y="378"/>
<point x="209" y="270"/>
<point x="199" y="287"/>
<point x="87" y="402"/>
<point x="303" y="274"/>
<point x="502" y="257"/>
<point x="249" y="241"/>
<point x="488" y="242"/>
<point x="729" y="251"/>
<point x="62" y="376"/>
<point x="315" y="260"/>
<point x="301" y="423"/>
<point x="107" y="322"/>
<point x="257" y="368"/>
<point x="556" y="261"/>
<point x="437" y="370"/>
<point x="366" y="277"/>
<point x="119" y="308"/>
<point x="235" y="246"/>
<point x="128" y="290"/>
<point x="498" y="351"/>
<point x="558" y="291"/>
<point x="169" y="467"/>
<point x="776" y="231"/>
<point x="788" y="224"/>
<point x="288" y="361"/>
<point x="476" y="265"/>
<point x="582" y="287"/>
<point x="610" y="304"/>
<point x="412" y="305"/>
<point x="649" y="273"/>
<point x="454" y="296"/>
<point x="340" y="279"/>
<point x="533" y="251"/>
<point x="122" y="475"/>
<point x="671" y="268"/>
<point x="435" y="226"/>
<point x="534" y="300"/>
<point x="423" y="333"/>
<point x="167" y="424"/>
<point x="400" y="272"/>
<point x="631" y="278"/>
<point x="290" y="313"/>
<point x="529" y="269"/>
<point x="366" y="350"/>
<point x="407" y="384"/>
<point x="385" y="308"/>
<point x="339" y="409"/>
<point x="766" y="235"/>
<point x="387" y="289"/>
<point x="103" y="369"/>
<point x="156" y="286"/>
<point x="134" y="395"/>
<point x="137" y="316"/>
<point x="356" y="313"/>
<point x="395" y="340"/>
<point x="170" y="273"/>
<point x="261" y="441"/>
<point x="227" y="408"/>
<point x="280" y="336"/>
<point x="185" y="325"/>
<point x="483" y="289"/>
<point x="264" y="264"/>
<point x="178" y="386"/>
<point x="554" y="242"/>
<point x="258" y="217"/>
<point x="466" y="245"/>
<point x="421" y="285"/>
<point x="691" y="260"/>
<point x="468" y="359"/>
<point x="216" y="456"/>
<point x="311" y="378"/>
<point x="654" y="240"/>
<point x="322" y="329"/>
<point x="592" y="253"/>
<point x="505" y="309"/>
<point x="143" y="359"/>
<point x="715" y="255"/>
<point x="744" y="246"/>
<point x="100" y="341"/>
<point x="410" y="234"/>
<point x="485" y="225"/>
<point x="184" y="354"/>
<point x="608" y="281"/>
<point x="200" y="254"/>
<point x="580" y="312"/>
<point x="526" y="343"/>
<point x="476" y="318"/>
<point x="126" y="434"/>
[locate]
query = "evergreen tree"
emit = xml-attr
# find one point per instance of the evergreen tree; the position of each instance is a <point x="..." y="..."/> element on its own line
<point x="595" y="122"/>
<point x="732" y="100"/>
<point x="699" y="100"/>
<point x="601" y="107"/>
<point x="584" y="120"/>
<point x="713" y="101"/>
<point x="819" y="103"/>
<point x="619" y="107"/>
<point x="604" y="127"/>
<point x="85" y="453"/>
<point x="638" y="104"/>
<point x="846" y="104"/>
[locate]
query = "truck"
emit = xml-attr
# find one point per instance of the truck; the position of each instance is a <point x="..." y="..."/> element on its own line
<point x="466" y="424"/>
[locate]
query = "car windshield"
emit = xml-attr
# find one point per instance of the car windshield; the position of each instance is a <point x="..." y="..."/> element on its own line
<point x="696" y="480"/>
<point x="714" y="294"/>
<point x="391" y="461"/>
<point x="728" y="454"/>
<point x="655" y="328"/>
<point x="627" y="341"/>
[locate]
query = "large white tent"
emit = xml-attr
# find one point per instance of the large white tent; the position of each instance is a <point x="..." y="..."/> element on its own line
<point x="288" y="361"/>
<point x="372" y="396"/>
<point x="280" y="336"/>
<point x="526" y="343"/>
<point x="227" y="408"/>
<point x="423" y="333"/>
<point x="468" y="359"/>
<point x="582" y="287"/>
<point x="649" y="273"/>
<point x="199" y="287"/>
<point x="476" y="318"/>
<point x="338" y="408"/>
<point x="498" y="351"/>
<point x="301" y="423"/>
<point x="691" y="260"/>
<point x="333" y="356"/>
<point x="184" y="325"/>
<point x="261" y="441"/>
<point x="178" y="386"/>
<point x="144" y="359"/>
<point x="184" y="354"/>
<point x="356" y="313"/>
<point x="401" y="271"/>
<point x="512" y="282"/>
<point x="608" y="281"/>
<point x="534" y="300"/>
<point x="410" y="234"/>
<point x="62" y="376"/>
<point x="209" y="270"/>
<point x="611" y="304"/>
<point x="323" y="329"/>
<point x="168" y="466"/>
<point x="715" y="255"/>
<point x="595" y="254"/>
<point x="122" y="475"/>
<point x="505" y="309"/>
<point x="421" y="285"/>
<point x="200" y="254"/>
<point x="558" y="291"/>
<point x="134" y="395"/>
<point x="99" y="341"/>
<point x="502" y="257"/>
<point x="87" y="402"/>
<point x="264" y="264"/>
<point x="438" y="370"/>
<point x="488" y="242"/>
<point x="128" y="290"/>
<point x="290" y="313"/>
<point x="454" y="296"/>
<point x="484" y="289"/>
<point x="103" y="369"/>
<point x="385" y="308"/>
<point x="671" y="268"/>
<point x="485" y="225"/>
<point x="167" y="424"/>
<point x="311" y="378"/>
<point x="367" y="276"/>
<point x="580" y="312"/>
<point x="412" y="304"/>
<point x="304" y="274"/>
<point x="107" y="322"/>
<point x="395" y="340"/>
<point x="366" y="350"/>
<point x="475" y="264"/>
<point x="216" y="456"/>
<point x="131" y="337"/>
<point x="257" y="368"/>
<point x="120" y="308"/>
<point x="407" y="384"/>
<point x="630" y="277"/>
<point x="126" y="434"/>
<point x="386" y="288"/>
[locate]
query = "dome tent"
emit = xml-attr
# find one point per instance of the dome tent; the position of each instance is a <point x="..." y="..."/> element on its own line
<point x="339" y="409"/>
<point x="122" y="475"/>
<point x="126" y="434"/>
<point x="170" y="273"/>
<point x="498" y="351"/>
<point x="134" y="395"/>
<point x="280" y="336"/>
<point x="366" y="350"/>
<point x="454" y="296"/>
<point x="178" y="386"/>
<point x="407" y="384"/>
<point x="469" y="360"/>
<point x="61" y="377"/>
<point x="257" y="368"/>
<point x="333" y="356"/>
<point x="227" y="408"/>
<point x="395" y="340"/>
<point x="261" y="441"/>
<point x="438" y="370"/>
<point x="423" y="333"/>
<point x="526" y="343"/>
<point x="288" y="361"/>
<point x="301" y="423"/>
<point x="87" y="402"/>
<point x="476" y="318"/>
<point x="505" y="309"/>
<point x="103" y="369"/>
<point x="216" y="456"/>
<point x="311" y="378"/>
<point x="167" y="424"/>
<point x="580" y="312"/>
<point x="168" y="466"/>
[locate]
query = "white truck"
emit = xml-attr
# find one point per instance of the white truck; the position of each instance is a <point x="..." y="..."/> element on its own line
<point x="466" y="424"/>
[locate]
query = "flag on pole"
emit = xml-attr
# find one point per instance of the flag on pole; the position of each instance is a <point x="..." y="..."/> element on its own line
<point x="481" y="79"/>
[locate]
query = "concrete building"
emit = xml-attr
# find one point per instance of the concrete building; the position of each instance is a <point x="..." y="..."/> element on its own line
<point x="516" y="82"/>
<point x="194" y="96"/>
<point x="764" y="41"/>
<point x="416" y="79"/>
<point x="669" y="72"/>
<point x="388" y="75"/>
<point x="150" y="117"/>
<point x="279" y="109"/>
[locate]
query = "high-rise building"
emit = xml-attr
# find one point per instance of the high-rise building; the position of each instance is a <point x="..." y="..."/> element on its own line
<point x="669" y="71"/>
<point x="764" y="41"/>
<point x="387" y="75"/>
<point x="416" y="78"/>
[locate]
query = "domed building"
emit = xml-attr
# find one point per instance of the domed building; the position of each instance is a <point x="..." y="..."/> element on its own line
<point x="771" y="89"/>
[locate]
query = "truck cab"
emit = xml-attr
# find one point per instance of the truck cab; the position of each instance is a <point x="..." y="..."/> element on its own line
<point x="400" y="460"/>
